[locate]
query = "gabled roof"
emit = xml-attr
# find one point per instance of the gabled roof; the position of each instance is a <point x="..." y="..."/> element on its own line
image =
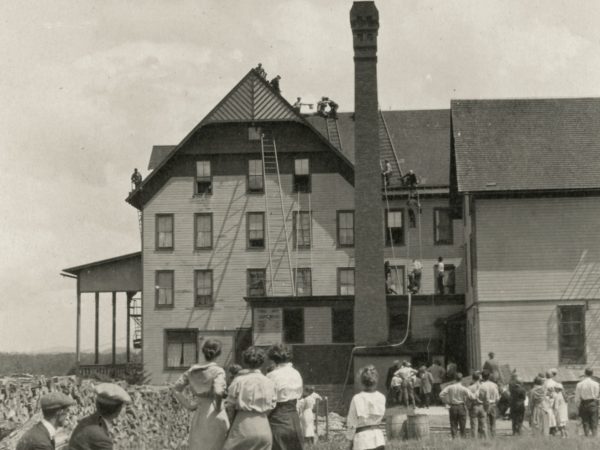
<point x="252" y="100"/>
<point x="527" y="144"/>
<point x="159" y="153"/>
<point x="420" y="138"/>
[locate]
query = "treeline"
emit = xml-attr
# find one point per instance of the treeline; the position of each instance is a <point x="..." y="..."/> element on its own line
<point x="51" y="364"/>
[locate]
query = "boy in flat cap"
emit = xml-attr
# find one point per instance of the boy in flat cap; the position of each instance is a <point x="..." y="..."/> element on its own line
<point x="93" y="432"/>
<point x="55" y="406"/>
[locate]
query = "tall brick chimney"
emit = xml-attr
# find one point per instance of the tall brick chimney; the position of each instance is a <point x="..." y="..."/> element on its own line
<point x="370" y="309"/>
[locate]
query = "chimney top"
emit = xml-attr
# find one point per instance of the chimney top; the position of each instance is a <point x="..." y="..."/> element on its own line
<point x="364" y="20"/>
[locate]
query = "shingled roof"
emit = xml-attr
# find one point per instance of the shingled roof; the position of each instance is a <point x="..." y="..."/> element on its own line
<point x="420" y="138"/>
<point x="527" y="144"/>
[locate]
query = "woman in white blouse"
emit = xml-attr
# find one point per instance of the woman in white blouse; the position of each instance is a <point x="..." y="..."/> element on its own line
<point x="284" y="419"/>
<point x="366" y="412"/>
<point x="252" y="395"/>
<point x="206" y="382"/>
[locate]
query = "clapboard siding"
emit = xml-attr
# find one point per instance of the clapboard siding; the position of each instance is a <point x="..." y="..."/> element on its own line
<point x="425" y="249"/>
<point x="525" y="336"/>
<point x="424" y="317"/>
<point x="538" y="248"/>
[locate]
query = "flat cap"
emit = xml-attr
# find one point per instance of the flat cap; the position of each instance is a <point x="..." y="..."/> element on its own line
<point x="111" y="394"/>
<point x="56" y="400"/>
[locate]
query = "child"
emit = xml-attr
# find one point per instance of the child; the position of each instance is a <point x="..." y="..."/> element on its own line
<point x="307" y="417"/>
<point x="561" y="410"/>
<point x="366" y="412"/>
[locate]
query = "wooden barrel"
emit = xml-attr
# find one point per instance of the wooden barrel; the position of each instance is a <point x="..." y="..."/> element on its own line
<point x="394" y="429"/>
<point x="417" y="426"/>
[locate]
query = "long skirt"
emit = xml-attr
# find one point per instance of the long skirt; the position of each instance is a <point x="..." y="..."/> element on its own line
<point x="540" y="421"/>
<point x="250" y="431"/>
<point x="208" y="428"/>
<point x="285" y="426"/>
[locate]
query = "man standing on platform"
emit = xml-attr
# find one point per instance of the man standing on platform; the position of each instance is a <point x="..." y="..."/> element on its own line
<point x="55" y="407"/>
<point x="456" y="396"/>
<point x="586" y="399"/>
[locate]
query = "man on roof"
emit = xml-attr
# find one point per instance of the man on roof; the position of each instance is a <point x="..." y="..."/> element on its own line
<point x="387" y="172"/>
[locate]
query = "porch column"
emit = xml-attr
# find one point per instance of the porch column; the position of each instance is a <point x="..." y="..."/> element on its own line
<point x="78" y="329"/>
<point x="97" y="330"/>
<point x="128" y="325"/>
<point x="114" y="328"/>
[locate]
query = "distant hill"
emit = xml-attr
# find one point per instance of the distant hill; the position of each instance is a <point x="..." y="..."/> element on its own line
<point x="51" y="364"/>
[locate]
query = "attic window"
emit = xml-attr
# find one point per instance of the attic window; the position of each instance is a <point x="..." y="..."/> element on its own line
<point x="254" y="133"/>
<point x="203" y="177"/>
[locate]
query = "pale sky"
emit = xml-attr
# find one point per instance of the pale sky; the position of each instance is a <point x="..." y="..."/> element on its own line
<point x="88" y="87"/>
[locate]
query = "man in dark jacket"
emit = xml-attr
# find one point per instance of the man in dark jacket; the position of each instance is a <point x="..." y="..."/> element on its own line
<point x="55" y="406"/>
<point x="93" y="432"/>
<point x="517" y="404"/>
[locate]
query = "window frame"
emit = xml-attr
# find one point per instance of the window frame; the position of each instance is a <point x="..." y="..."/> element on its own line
<point x="210" y="178"/>
<point x="196" y="246"/>
<point x="157" y="218"/>
<point x="404" y="277"/>
<point x="338" y="228"/>
<point x="304" y="179"/>
<point x="333" y="326"/>
<point x="212" y="289"/>
<point x="437" y="241"/>
<point x="295" y="230"/>
<point x="250" y="190"/>
<point x="339" y="280"/>
<point x="583" y="360"/>
<point x="388" y="240"/>
<point x="264" y="235"/>
<point x="157" y="291"/>
<point x="283" y="323"/>
<point x="309" y="271"/>
<point x="248" y="287"/>
<point x="193" y="331"/>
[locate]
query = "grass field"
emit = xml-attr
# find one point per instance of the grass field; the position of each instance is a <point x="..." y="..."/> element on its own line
<point x="441" y="442"/>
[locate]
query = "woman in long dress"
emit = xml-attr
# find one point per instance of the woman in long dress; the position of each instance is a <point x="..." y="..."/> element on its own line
<point x="540" y="408"/>
<point x="206" y="382"/>
<point x="306" y="408"/>
<point x="252" y="396"/>
<point x="366" y="413"/>
<point x="284" y="419"/>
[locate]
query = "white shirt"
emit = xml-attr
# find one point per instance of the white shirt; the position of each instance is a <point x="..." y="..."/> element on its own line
<point x="586" y="389"/>
<point x="50" y="428"/>
<point x="417" y="265"/>
<point x="440" y="268"/>
<point x="288" y="382"/>
<point x="366" y="408"/>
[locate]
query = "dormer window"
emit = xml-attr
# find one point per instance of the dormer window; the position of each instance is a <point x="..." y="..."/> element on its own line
<point x="301" y="175"/>
<point x="203" y="177"/>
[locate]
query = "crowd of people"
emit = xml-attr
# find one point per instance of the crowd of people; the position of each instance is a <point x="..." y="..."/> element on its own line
<point x="245" y="408"/>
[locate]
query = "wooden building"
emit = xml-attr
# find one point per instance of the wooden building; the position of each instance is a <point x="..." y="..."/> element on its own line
<point x="526" y="174"/>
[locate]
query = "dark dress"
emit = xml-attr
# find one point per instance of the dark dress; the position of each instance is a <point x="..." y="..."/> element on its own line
<point x="37" y="438"/>
<point x="284" y="419"/>
<point x="517" y="406"/>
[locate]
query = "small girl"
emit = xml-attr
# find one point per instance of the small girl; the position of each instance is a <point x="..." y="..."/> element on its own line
<point x="366" y="412"/>
<point x="561" y="410"/>
<point x="307" y="417"/>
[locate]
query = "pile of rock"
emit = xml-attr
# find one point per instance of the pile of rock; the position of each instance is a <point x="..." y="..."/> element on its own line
<point x="152" y="420"/>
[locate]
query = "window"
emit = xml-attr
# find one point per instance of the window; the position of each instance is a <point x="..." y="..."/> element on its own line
<point x="394" y="283"/>
<point x="203" y="177"/>
<point x="342" y="325"/>
<point x="182" y="348"/>
<point x="256" y="230"/>
<point x="255" y="176"/>
<point x="398" y="322"/>
<point x="164" y="288"/>
<point x="346" y="281"/>
<point x="571" y="334"/>
<point x="345" y="228"/>
<point x="303" y="282"/>
<point x="293" y="325"/>
<point x="164" y="231"/>
<point x="301" y="229"/>
<point x="394" y="227"/>
<point x="442" y="227"/>
<point x="204" y="288"/>
<point x="254" y="133"/>
<point x="449" y="279"/>
<point x="301" y="175"/>
<point x="204" y="232"/>
<point x="256" y="282"/>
